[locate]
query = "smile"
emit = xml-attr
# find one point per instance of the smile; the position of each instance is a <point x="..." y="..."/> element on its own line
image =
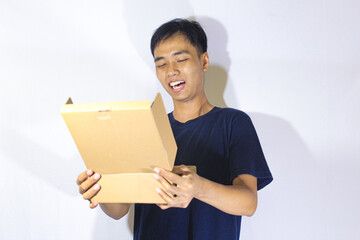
<point x="176" y="85"/>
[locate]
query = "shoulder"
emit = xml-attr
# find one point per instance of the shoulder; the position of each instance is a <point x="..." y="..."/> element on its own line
<point x="232" y="114"/>
<point x="236" y="121"/>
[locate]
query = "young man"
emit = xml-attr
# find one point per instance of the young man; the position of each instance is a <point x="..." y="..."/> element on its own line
<point x="220" y="142"/>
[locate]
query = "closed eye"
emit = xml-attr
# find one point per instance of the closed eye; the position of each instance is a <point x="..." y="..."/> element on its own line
<point x="161" y="65"/>
<point x="182" y="60"/>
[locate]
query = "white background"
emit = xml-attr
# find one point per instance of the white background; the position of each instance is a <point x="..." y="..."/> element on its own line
<point x="294" y="66"/>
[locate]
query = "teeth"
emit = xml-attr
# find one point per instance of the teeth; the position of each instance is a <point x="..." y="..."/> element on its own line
<point x="173" y="84"/>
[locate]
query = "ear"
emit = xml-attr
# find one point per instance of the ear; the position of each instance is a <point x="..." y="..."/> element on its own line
<point x="205" y="61"/>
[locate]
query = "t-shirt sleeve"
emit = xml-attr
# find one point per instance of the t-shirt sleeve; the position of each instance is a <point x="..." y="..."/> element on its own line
<point x="246" y="155"/>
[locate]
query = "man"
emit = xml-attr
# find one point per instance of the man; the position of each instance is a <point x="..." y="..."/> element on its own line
<point x="220" y="142"/>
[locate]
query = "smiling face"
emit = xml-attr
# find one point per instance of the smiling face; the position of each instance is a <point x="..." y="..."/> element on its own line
<point x="180" y="69"/>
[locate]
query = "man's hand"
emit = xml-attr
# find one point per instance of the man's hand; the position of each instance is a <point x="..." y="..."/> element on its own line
<point x="88" y="187"/>
<point x="181" y="186"/>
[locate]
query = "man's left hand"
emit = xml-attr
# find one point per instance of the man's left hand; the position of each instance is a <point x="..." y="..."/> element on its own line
<point x="179" y="186"/>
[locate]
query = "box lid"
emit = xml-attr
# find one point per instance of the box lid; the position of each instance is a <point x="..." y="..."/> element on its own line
<point x="122" y="137"/>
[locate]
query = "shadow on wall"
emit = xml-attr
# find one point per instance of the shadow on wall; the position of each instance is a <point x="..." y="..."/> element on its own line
<point x="293" y="167"/>
<point x="294" y="194"/>
<point x="142" y="24"/>
<point x="215" y="82"/>
<point x="216" y="77"/>
<point x="283" y="148"/>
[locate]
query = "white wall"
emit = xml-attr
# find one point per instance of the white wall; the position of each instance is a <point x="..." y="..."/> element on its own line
<point x="294" y="66"/>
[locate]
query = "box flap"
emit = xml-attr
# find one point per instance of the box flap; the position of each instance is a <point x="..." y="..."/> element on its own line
<point x="163" y="126"/>
<point x="122" y="137"/>
<point x="69" y="101"/>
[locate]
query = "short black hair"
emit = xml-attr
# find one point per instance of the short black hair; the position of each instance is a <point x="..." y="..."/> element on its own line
<point x="190" y="29"/>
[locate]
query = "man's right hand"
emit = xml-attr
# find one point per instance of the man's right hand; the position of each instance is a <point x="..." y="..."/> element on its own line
<point x="88" y="187"/>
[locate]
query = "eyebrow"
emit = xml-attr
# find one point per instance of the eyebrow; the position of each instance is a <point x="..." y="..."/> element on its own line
<point x="174" y="54"/>
<point x="180" y="52"/>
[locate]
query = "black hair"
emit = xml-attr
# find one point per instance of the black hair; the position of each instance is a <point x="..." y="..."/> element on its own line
<point x="190" y="29"/>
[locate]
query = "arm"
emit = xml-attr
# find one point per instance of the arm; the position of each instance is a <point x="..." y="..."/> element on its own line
<point x="88" y="187"/>
<point x="237" y="199"/>
<point x="115" y="210"/>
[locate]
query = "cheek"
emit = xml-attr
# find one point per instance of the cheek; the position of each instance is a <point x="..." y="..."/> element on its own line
<point x="160" y="77"/>
<point x="195" y="74"/>
<point x="188" y="72"/>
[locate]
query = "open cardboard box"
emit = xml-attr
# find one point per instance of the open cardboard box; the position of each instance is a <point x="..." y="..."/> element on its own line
<point x="123" y="141"/>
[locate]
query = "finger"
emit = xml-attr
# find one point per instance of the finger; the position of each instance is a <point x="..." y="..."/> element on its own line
<point x="93" y="205"/>
<point x="164" y="196"/>
<point x="84" y="186"/>
<point x="172" y="177"/>
<point x="91" y="192"/>
<point x="163" y="206"/>
<point x="83" y="176"/>
<point x="162" y="181"/>
<point x="170" y="189"/>
<point x="180" y="170"/>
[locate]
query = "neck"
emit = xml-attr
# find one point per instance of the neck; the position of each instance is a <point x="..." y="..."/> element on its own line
<point x="185" y="111"/>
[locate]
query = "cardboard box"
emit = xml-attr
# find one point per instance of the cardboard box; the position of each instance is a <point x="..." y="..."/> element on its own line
<point x="123" y="141"/>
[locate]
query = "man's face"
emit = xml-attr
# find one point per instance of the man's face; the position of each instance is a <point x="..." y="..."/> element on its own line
<point x="180" y="69"/>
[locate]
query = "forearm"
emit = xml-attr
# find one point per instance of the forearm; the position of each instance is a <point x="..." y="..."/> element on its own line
<point x="115" y="210"/>
<point x="233" y="199"/>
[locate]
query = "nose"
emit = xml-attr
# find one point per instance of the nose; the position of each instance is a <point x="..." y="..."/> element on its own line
<point x="172" y="70"/>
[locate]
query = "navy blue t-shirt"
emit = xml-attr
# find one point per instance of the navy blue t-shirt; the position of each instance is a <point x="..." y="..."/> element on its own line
<point x="222" y="144"/>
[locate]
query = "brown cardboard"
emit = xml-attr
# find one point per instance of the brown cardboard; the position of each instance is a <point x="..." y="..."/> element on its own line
<point x="123" y="141"/>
